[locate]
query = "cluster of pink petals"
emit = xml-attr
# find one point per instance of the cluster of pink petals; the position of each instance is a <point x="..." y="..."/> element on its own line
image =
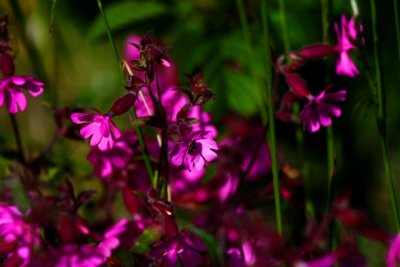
<point x="19" y="234"/>
<point x="346" y="36"/>
<point x="99" y="128"/>
<point x="393" y="254"/>
<point x="319" y="110"/>
<point x="11" y="94"/>
<point x="193" y="150"/>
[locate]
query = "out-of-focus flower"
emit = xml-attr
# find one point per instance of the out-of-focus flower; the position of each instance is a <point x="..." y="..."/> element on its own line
<point x="184" y="248"/>
<point x="193" y="150"/>
<point x="73" y="255"/>
<point x="18" y="236"/>
<point x="346" y="36"/>
<point x="106" y="163"/>
<point x="393" y="254"/>
<point x="319" y="110"/>
<point x="100" y="129"/>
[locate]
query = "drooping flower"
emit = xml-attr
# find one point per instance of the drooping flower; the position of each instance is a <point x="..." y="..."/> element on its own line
<point x="193" y="150"/>
<point x="100" y="129"/>
<point x="184" y="248"/>
<point x="346" y="36"/>
<point x="18" y="237"/>
<point x="319" y="110"/>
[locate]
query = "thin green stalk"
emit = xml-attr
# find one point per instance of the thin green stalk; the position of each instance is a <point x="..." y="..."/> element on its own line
<point x="397" y="23"/>
<point x="29" y="44"/>
<point x="381" y="118"/>
<point x="18" y="140"/>
<point x="138" y="130"/>
<point x="282" y="14"/>
<point x="325" y="20"/>
<point x="271" y="119"/>
<point x="247" y="39"/>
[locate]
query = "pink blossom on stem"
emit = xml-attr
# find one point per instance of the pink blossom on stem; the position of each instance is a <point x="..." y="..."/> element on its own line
<point x="346" y="36"/>
<point x="12" y="95"/>
<point x="319" y="110"/>
<point x="193" y="150"/>
<point x="100" y="129"/>
<point x="393" y="253"/>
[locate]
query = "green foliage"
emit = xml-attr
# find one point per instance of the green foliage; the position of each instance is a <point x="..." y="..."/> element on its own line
<point x="125" y="14"/>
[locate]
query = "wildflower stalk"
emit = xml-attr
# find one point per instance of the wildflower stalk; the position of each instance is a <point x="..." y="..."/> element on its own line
<point x="18" y="139"/>
<point x="271" y="119"/>
<point x="29" y="45"/>
<point x="330" y="141"/>
<point x="381" y="118"/>
<point x="139" y="132"/>
<point x="282" y="15"/>
<point x="247" y="40"/>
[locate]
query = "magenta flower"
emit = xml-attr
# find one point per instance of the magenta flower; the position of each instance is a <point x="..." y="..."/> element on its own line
<point x="185" y="248"/>
<point x="319" y="110"/>
<point x="100" y="129"/>
<point x="346" y="36"/>
<point x="193" y="150"/>
<point x="12" y="95"/>
<point x="18" y="237"/>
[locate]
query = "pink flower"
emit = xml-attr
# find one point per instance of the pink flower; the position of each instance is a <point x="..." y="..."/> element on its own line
<point x="100" y="128"/>
<point x="193" y="150"/>
<point x="320" y="109"/>
<point x="12" y="95"/>
<point x="18" y="237"/>
<point x="346" y="36"/>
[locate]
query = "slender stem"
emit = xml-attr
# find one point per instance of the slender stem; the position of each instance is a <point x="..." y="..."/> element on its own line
<point x="271" y="119"/>
<point x="325" y="20"/>
<point x="285" y="34"/>
<point x="381" y="118"/>
<point x="330" y="155"/>
<point x="138" y="130"/>
<point x="18" y="139"/>
<point x="247" y="39"/>
<point x="397" y="23"/>
<point x="110" y="38"/>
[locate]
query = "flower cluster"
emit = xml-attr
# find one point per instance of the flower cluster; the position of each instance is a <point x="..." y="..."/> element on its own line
<point x="321" y="108"/>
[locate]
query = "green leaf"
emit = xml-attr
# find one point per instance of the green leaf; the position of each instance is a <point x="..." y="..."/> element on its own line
<point x="126" y="13"/>
<point x="241" y="92"/>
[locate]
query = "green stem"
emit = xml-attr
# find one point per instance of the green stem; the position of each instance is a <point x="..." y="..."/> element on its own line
<point x="138" y="130"/>
<point x="246" y="35"/>
<point x="271" y="119"/>
<point x="397" y="23"/>
<point x="28" y="43"/>
<point x="381" y="118"/>
<point x="330" y="153"/>
<point x="285" y="34"/>
<point x="18" y="140"/>
<point x="325" y="20"/>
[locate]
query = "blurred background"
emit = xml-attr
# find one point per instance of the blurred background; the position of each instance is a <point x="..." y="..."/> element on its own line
<point x="64" y="43"/>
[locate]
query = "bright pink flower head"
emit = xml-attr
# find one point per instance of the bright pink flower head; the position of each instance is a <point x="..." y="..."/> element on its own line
<point x="184" y="248"/>
<point x="100" y="129"/>
<point x="346" y="36"/>
<point x="319" y="110"/>
<point x="193" y="150"/>
<point x="18" y="237"/>
<point x="12" y="95"/>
